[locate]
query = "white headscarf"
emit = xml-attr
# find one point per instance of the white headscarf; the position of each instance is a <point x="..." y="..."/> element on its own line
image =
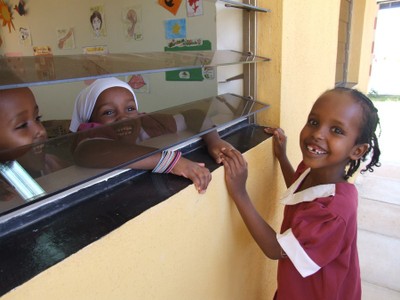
<point x="86" y="100"/>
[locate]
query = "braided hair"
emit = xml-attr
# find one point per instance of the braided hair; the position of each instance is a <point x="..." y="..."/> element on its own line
<point x="367" y="135"/>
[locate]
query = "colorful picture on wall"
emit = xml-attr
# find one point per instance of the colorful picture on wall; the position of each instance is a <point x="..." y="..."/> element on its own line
<point x="42" y="50"/>
<point x="6" y="16"/>
<point x="194" y="8"/>
<point x="25" y="36"/>
<point x="95" y="50"/>
<point x="139" y="83"/>
<point x="97" y="21"/>
<point x="65" y="38"/>
<point x="20" y="8"/>
<point x="132" y="20"/>
<point x="197" y="74"/>
<point x="175" y="29"/>
<point x="171" y="5"/>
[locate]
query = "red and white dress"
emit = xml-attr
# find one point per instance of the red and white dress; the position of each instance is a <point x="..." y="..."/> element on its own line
<point x="319" y="236"/>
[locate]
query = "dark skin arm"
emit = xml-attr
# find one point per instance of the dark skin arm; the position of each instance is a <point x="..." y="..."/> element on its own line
<point x="279" y="141"/>
<point x="195" y="118"/>
<point x="235" y="177"/>
<point x="111" y="153"/>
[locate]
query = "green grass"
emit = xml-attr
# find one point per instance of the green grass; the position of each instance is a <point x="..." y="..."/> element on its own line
<point x="376" y="97"/>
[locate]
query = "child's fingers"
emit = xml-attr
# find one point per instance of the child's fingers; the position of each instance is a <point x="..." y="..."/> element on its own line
<point x="234" y="159"/>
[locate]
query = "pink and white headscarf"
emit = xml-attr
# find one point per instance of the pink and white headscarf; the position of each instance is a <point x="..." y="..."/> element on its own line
<point x="86" y="100"/>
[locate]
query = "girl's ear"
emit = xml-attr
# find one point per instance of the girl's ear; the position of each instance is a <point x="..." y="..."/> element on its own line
<point x="358" y="151"/>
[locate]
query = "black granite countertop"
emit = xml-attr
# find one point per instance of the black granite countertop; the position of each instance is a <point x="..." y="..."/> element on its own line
<point x="58" y="231"/>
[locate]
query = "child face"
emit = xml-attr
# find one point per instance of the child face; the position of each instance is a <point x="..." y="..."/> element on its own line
<point x="19" y="119"/>
<point x="328" y="140"/>
<point x="114" y="104"/>
<point x="96" y="23"/>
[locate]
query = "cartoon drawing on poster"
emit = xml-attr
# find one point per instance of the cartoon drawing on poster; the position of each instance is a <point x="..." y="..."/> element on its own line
<point x="97" y="21"/>
<point x="65" y="38"/>
<point x="132" y="20"/>
<point x="194" y="8"/>
<point x="139" y="83"/>
<point x="171" y="5"/>
<point x="42" y="51"/>
<point x="20" y="8"/>
<point x="175" y="29"/>
<point x="25" y="36"/>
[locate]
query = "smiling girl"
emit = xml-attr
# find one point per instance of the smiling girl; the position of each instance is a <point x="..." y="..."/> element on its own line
<point x="317" y="243"/>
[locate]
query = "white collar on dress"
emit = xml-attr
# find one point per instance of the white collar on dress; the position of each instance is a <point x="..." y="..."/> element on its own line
<point x="307" y="195"/>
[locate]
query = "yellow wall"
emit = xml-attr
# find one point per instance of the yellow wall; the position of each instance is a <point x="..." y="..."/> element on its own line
<point x="189" y="247"/>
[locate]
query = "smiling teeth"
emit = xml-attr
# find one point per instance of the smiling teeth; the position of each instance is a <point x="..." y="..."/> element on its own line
<point x="314" y="150"/>
<point x="38" y="149"/>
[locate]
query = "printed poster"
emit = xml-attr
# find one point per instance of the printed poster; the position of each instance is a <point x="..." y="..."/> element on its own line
<point x="197" y="74"/>
<point x="194" y="8"/>
<point x="132" y="22"/>
<point x="171" y="5"/>
<point x="65" y="38"/>
<point x="175" y="29"/>
<point x="97" y="21"/>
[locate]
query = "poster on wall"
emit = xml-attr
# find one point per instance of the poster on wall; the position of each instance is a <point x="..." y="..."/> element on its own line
<point x="132" y="21"/>
<point x="6" y="16"/>
<point x="95" y="50"/>
<point x="171" y="5"/>
<point x="65" y="37"/>
<point x="97" y="21"/>
<point x="25" y="36"/>
<point x="42" y="50"/>
<point x="197" y="74"/>
<point x="175" y="29"/>
<point x="139" y="83"/>
<point x="194" y="8"/>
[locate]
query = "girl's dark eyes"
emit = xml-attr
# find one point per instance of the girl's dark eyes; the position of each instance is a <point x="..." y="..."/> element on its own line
<point x="131" y="108"/>
<point x="312" y="122"/>
<point x="38" y="118"/>
<point x="337" y="130"/>
<point x="107" y="113"/>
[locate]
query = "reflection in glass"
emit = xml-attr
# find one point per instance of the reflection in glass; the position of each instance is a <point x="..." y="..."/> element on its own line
<point x="68" y="68"/>
<point x="66" y="166"/>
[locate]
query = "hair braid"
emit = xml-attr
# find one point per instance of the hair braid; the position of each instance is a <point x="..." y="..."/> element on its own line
<point x="367" y="135"/>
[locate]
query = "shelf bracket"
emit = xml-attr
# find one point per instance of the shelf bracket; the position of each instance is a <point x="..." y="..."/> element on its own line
<point x="244" y="6"/>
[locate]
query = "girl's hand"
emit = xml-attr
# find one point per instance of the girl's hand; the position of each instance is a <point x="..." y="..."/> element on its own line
<point x="280" y="140"/>
<point x="214" y="149"/>
<point x="235" y="173"/>
<point x="196" y="172"/>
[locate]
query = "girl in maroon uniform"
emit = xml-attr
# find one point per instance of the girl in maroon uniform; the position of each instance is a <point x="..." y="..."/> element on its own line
<point x="317" y="243"/>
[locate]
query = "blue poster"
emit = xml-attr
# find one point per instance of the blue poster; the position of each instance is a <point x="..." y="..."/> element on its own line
<point x="175" y="29"/>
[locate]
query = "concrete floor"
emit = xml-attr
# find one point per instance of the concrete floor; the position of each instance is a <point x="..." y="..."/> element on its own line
<point x="379" y="215"/>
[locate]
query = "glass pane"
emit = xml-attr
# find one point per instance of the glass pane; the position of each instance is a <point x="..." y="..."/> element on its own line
<point x="36" y="171"/>
<point x="41" y="70"/>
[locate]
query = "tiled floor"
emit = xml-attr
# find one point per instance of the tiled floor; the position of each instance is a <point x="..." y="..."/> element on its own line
<point x="379" y="216"/>
<point x="379" y="234"/>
